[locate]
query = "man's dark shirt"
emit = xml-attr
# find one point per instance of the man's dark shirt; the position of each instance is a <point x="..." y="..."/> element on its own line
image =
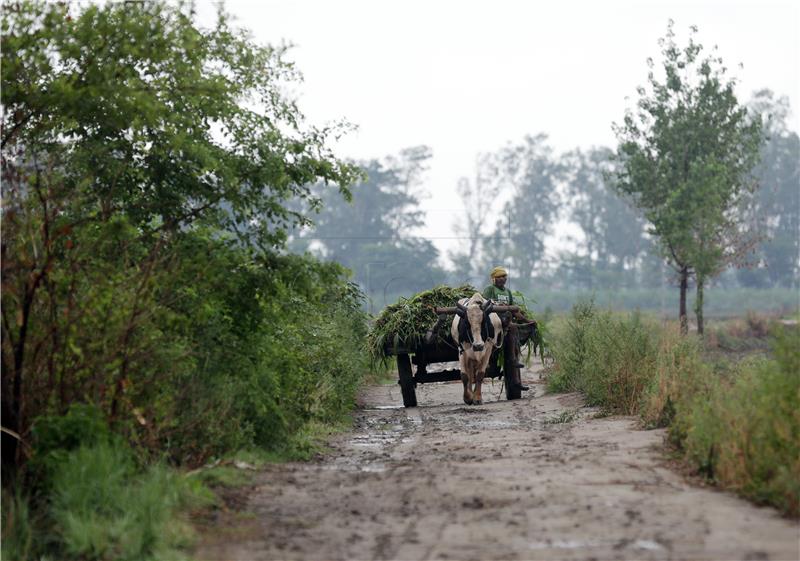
<point x="500" y="295"/>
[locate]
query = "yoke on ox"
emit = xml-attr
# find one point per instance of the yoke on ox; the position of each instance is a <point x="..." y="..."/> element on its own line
<point x="478" y="331"/>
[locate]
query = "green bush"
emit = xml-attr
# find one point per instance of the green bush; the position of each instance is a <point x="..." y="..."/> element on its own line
<point x="678" y="375"/>
<point x="55" y="436"/>
<point x="102" y="507"/>
<point x="156" y="315"/>
<point x="571" y="350"/>
<point x="739" y="426"/>
<point x="745" y="433"/>
<point x="278" y="344"/>
<point x="606" y="356"/>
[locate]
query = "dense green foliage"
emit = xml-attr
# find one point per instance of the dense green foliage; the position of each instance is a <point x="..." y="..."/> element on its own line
<point x="738" y="425"/>
<point x="743" y="430"/>
<point x="140" y="260"/>
<point x="151" y="172"/>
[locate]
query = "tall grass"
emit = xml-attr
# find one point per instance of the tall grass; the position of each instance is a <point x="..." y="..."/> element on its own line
<point x="100" y="506"/>
<point x="18" y="525"/>
<point x="745" y="433"/>
<point x="606" y="356"/>
<point x="103" y="509"/>
<point x="739" y="426"/>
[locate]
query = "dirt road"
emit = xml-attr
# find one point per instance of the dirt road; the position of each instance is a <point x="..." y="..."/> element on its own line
<point x="537" y="478"/>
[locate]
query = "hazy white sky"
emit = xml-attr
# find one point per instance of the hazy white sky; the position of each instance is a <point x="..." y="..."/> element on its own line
<point x="465" y="77"/>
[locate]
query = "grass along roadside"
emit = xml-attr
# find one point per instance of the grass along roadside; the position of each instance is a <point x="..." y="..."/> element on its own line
<point x="97" y="502"/>
<point x="735" y="421"/>
<point x="99" y="505"/>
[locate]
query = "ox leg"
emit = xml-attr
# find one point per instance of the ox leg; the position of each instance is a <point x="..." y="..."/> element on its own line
<point x="477" y="399"/>
<point x="467" y="390"/>
<point x="462" y="364"/>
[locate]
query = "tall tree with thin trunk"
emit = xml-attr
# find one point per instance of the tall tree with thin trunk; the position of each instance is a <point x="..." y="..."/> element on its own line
<point x="533" y="176"/>
<point x="776" y="212"/>
<point x="686" y="154"/>
<point x="479" y="198"/>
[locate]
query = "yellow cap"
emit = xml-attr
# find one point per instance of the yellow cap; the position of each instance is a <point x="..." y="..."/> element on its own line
<point x="498" y="272"/>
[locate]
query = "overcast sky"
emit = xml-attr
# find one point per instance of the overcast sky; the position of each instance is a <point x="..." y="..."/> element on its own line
<point x="466" y="77"/>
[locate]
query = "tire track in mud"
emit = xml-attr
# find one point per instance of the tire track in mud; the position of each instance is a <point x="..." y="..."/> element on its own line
<point x="505" y="480"/>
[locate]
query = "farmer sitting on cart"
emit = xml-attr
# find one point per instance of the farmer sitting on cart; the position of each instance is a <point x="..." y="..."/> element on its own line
<point x="498" y="292"/>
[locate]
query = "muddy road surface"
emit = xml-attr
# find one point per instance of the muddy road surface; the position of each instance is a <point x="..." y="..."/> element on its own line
<point x="537" y="478"/>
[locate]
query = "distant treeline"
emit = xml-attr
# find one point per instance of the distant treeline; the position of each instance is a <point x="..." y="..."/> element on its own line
<point x="525" y="196"/>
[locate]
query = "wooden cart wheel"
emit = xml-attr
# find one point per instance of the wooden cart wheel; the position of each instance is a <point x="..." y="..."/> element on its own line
<point x="406" y="380"/>
<point x="511" y="373"/>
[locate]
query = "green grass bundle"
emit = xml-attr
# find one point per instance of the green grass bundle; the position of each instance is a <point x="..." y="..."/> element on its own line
<point x="406" y="322"/>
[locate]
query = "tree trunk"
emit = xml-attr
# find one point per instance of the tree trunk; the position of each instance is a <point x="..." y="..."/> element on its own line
<point x="12" y="409"/>
<point x="682" y="312"/>
<point x="698" y="306"/>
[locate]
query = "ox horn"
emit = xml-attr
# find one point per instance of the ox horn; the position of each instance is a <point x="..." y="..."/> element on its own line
<point x="461" y="309"/>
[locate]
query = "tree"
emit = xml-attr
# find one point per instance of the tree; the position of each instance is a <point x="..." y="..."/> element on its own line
<point x="612" y="235"/>
<point x="373" y="233"/>
<point x="686" y="154"/>
<point x="529" y="172"/>
<point x="776" y="209"/>
<point x="124" y="126"/>
<point x="479" y="198"/>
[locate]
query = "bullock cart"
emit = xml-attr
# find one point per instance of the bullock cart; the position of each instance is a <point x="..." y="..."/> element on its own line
<point x="415" y="355"/>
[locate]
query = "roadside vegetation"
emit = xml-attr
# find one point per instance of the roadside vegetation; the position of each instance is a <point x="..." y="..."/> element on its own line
<point x="734" y="418"/>
<point x="153" y="321"/>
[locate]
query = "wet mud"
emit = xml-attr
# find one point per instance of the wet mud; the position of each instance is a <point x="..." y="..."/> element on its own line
<point x="537" y="478"/>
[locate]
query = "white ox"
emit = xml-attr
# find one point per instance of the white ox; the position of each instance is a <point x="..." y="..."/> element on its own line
<point x="478" y="332"/>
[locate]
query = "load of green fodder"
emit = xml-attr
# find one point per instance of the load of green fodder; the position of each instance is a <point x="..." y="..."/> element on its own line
<point x="540" y="339"/>
<point x="406" y="322"/>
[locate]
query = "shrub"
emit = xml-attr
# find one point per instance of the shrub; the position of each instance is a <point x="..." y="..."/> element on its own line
<point x="607" y="357"/>
<point x="103" y="508"/>
<point x="738" y="425"/>
<point x="570" y="350"/>
<point x="54" y="436"/>
<point x="745" y="434"/>
<point x="758" y="324"/>
<point x="678" y="374"/>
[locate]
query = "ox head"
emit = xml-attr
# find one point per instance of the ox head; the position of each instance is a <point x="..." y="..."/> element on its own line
<point x="474" y="325"/>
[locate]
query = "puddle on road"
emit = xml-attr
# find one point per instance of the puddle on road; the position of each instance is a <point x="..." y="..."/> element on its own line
<point x="350" y="467"/>
<point x="480" y="423"/>
<point x="383" y="407"/>
<point x="580" y="544"/>
<point x="373" y="468"/>
<point x="372" y="439"/>
<point x="493" y="424"/>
